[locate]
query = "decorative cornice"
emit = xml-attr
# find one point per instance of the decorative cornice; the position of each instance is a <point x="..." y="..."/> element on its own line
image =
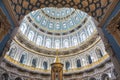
<point x="39" y="70"/>
<point x="32" y="47"/>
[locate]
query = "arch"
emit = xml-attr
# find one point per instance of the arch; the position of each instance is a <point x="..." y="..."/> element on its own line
<point x="64" y="25"/>
<point x="45" y="65"/>
<point x="57" y="25"/>
<point x="105" y="77"/>
<point x="71" y="22"/>
<point x="66" y="43"/>
<point x="67" y="65"/>
<point x="74" y="41"/>
<point x="89" y="29"/>
<point x="92" y="78"/>
<point x="31" y="35"/>
<point x="51" y="25"/>
<point x="39" y="40"/>
<point x="57" y="43"/>
<point x="34" y="62"/>
<point x="38" y="17"/>
<point x="12" y="52"/>
<point x="83" y="37"/>
<point x="44" y="22"/>
<point x="98" y="52"/>
<point x="89" y="59"/>
<point x="48" y="43"/>
<point x="23" y="58"/>
<point x="5" y="76"/>
<point x="78" y="62"/>
<point x="18" y="78"/>
<point x="23" y="27"/>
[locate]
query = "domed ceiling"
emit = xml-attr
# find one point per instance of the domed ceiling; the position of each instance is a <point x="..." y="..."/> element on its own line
<point x="57" y="28"/>
<point x="58" y="20"/>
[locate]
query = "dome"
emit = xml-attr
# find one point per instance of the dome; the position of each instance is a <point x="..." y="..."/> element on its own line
<point x="58" y="28"/>
<point x="58" y="20"/>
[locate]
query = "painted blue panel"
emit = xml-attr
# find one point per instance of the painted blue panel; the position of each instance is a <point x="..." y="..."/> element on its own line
<point x="111" y="40"/>
<point x="6" y="38"/>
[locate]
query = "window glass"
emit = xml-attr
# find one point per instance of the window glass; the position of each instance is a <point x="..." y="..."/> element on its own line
<point x="67" y="65"/>
<point x="45" y="65"/>
<point x="31" y="35"/>
<point x="78" y="63"/>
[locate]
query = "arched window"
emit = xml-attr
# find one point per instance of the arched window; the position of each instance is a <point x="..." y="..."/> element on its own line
<point x="39" y="40"/>
<point x="12" y="52"/>
<point x="78" y="63"/>
<point x="77" y="18"/>
<point x="44" y="22"/>
<point x="31" y="35"/>
<point x="57" y="44"/>
<point x="99" y="53"/>
<point x="18" y="78"/>
<point x="89" y="59"/>
<point x="67" y="64"/>
<point x="23" y="27"/>
<point x="89" y="29"/>
<point x="23" y="58"/>
<point x="83" y="37"/>
<point x="64" y="25"/>
<point x="5" y="76"/>
<point x="48" y="43"/>
<point x="65" y="43"/>
<point x="34" y="62"/>
<point x="58" y="26"/>
<point x="74" y="40"/>
<point x="51" y="25"/>
<point x="38" y="18"/>
<point x="45" y="65"/>
<point x="71" y="22"/>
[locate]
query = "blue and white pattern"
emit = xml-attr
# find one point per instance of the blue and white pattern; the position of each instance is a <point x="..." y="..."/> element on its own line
<point x="58" y="19"/>
<point x="58" y="41"/>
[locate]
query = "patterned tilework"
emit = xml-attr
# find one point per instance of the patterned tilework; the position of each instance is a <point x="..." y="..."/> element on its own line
<point x="95" y="8"/>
